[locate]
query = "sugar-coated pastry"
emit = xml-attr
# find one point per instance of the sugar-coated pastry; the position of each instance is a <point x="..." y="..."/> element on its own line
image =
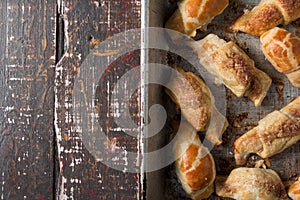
<point x="196" y="103"/>
<point x="232" y="67"/>
<point x="274" y="133"/>
<point x="267" y="15"/>
<point x="252" y="184"/>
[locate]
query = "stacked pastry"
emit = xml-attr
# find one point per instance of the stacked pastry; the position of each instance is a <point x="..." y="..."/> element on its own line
<point x="280" y="47"/>
<point x="274" y="133"/>
<point x="195" y="166"/>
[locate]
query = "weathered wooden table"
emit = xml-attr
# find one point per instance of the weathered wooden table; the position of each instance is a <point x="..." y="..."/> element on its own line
<point x="43" y="44"/>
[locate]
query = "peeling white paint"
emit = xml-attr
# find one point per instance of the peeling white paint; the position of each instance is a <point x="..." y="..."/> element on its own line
<point x="62" y="194"/>
<point x="79" y="56"/>
<point x="9" y="108"/>
<point x="2" y="185"/>
<point x="20" y="79"/>
<point x="96" y="3"/>
<point x="15" y="68"/>
<point x="76" y="142"/>
<point x="53" y="58"/>
<point x="11" y="121"/>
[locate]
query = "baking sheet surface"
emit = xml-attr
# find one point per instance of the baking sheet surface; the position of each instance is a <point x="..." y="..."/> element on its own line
<point x="241" y="113"/>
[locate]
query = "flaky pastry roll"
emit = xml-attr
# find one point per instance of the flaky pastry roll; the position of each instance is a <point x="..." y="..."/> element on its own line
<point x="196" y="103"/>
<point x="267" y="15"/>
<point x="252" y="184"/>
<point x="274" y="133"/>
<point x="232" y="67"/>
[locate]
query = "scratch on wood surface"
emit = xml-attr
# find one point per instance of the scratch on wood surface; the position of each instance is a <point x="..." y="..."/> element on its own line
<point x="62" y="10"/>
<point x="2" y="185"/>
<point x="107" y="52"/>
<point x="80" y="175"/>
<point x="26" y="134"/>
<point x="58" y="131"/>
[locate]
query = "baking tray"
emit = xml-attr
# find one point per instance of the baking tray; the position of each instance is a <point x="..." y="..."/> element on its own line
<point x="241" y="113"/>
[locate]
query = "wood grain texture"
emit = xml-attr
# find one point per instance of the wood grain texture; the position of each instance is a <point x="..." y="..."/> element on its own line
<point x="27" y="52"/>
<point x="87" y="23"/>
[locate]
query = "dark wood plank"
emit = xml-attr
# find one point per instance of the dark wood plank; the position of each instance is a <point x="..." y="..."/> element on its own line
<point x="80" y="175"/>
<point x="27" y="52"/>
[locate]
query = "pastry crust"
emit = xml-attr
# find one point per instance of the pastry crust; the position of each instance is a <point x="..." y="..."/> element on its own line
<point x="231" y="66"/>
<point x="259" y="87"/>
<point x="290" y="9"/>
<point x="195" y="166"/>
<point x="274" y="133"/>
<point x="294" y="78"/>
<point x="267" y="15"/>
<point x="262" y="18"/>
<point x="252" y="184"/>
<point x="194" y="14"/>
<point x="234" y="67"/>
<point x="292" y="110"/>
<point x="294" y="190"/>
<point x="282" y="49"/>
<point x="194" y="98"/>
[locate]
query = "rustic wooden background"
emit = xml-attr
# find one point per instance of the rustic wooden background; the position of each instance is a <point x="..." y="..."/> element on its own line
<point x="43" y="44"/>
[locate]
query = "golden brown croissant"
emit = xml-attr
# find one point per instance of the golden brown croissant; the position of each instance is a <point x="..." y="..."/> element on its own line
<point x="232" y="67"/>
<point x="195" y="166"/>
<point x="294" y="190"/>
<point x="282" y="49"/>
<point x="274" y="133"/>
<point x="268" y="14"/>
<point x="196" y="102"/>
<point x="194" y="14"/>
<point x="252" y="184"/>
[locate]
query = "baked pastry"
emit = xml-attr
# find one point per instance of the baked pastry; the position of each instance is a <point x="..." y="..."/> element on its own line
<point x="266" y="15"/>
<point x="294" y="190"/>
<point x="274" y="133"/>
<point x="232" y="67"/>
<point x="195" y="14"/>
<point x="196" y="103"/>
<point x="294" y="78"/>
<point x="252" y="184"/>
<point x="195" y="166"/>
<point x="282" y="49"/>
